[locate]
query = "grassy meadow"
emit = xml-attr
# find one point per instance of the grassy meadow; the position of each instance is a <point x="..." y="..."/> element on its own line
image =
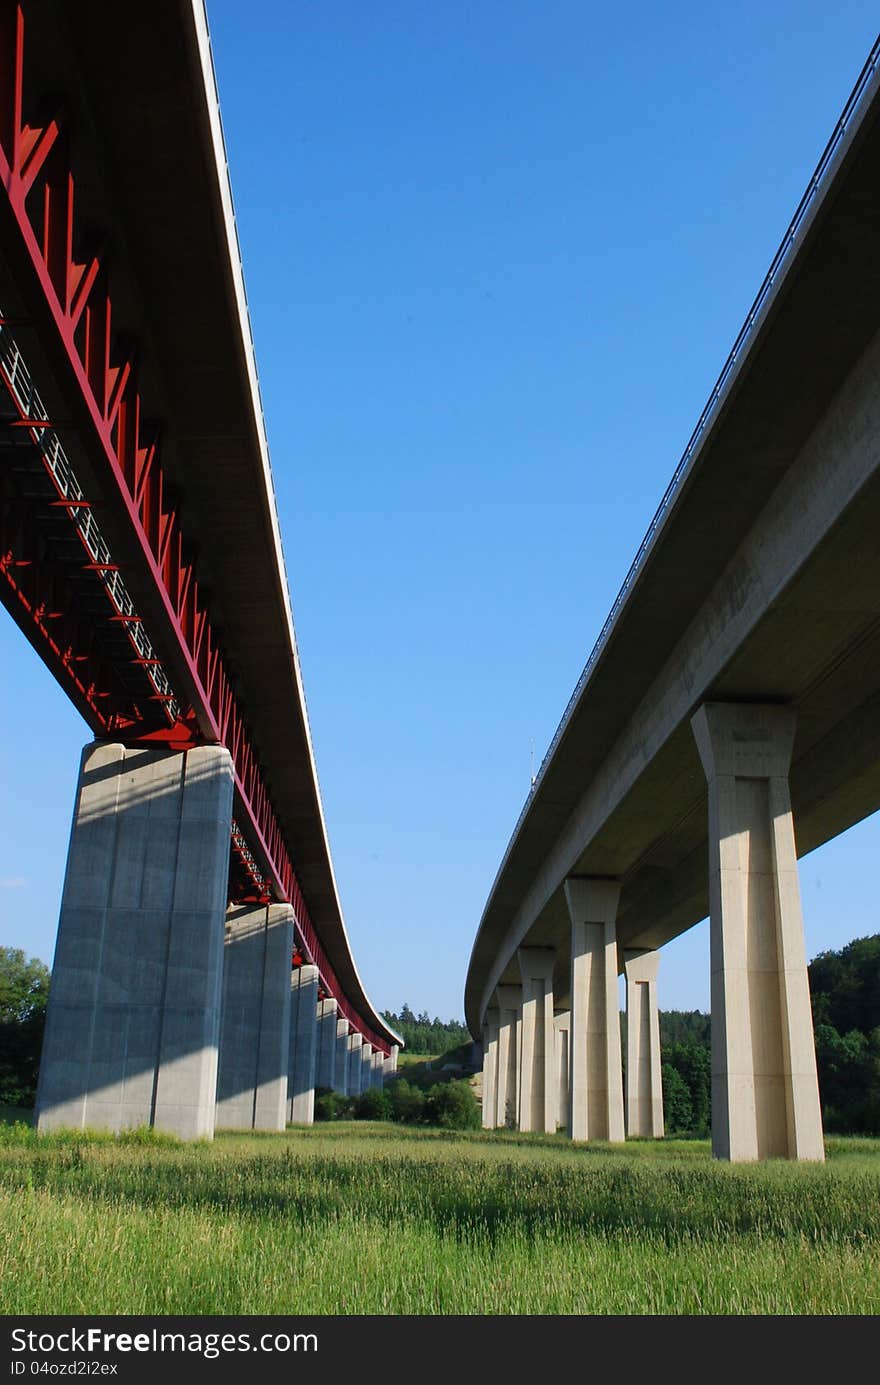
<point x="359" y="1218"/>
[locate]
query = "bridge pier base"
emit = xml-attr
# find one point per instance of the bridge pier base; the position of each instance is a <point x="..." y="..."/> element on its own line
<point x="596" y="1074"/>
<point x="366" y="1062"/>
<point x="255" y="1018"/>
<point x="562" y="1026"/>
<point x="340" y="1066"/>
<point x="509" y="1000"/>
<point x="355" y="1066"/>
<point x="302" y="1063"/>
<point x="490" y="1068"/>
<point x="134" y="1007"/>
<point x="537" y="1093"/>
<point x="765" y="1094"/>
<point x="325" y="1058"/>
<point x="644" y="1088"/>
<point x="377" y="1076"/>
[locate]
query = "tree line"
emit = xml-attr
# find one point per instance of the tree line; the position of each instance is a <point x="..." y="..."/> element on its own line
<point x="845" y="994"/>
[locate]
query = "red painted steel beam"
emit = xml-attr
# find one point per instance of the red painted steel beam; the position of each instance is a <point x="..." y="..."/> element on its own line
<point x="73" y="278"/>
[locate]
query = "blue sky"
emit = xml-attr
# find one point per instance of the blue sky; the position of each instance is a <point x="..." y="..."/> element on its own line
<point x="496" y="254"/>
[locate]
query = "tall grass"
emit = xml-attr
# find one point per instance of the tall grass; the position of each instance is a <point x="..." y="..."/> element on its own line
<point x="376" y="1219"/>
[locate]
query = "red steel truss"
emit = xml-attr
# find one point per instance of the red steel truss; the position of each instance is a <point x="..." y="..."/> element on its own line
<point x="57" y="573"/>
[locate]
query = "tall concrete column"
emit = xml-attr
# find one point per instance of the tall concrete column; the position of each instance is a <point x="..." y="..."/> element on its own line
<point x="562" y="1026"/>
<point x="340" y="1071"/>
<point x="595" y="1073"/>
<point x="538" y="1089"/>
<point x="378" y="1060"/>
<point x="366" y="1065"/>
<point x="302" y="1067"/>
<point x="644" y="1087"/>
<point x="355" y="1066"/>
<point x="765" y="1094"/>
<point x="325" y="1069"/>
<point x="490" y="1068"/>
<point x="134" y="1008"/>
<point x="395" y="1049"/>
<point x="255" y="1018"/>
<point x="509" y="1001"/>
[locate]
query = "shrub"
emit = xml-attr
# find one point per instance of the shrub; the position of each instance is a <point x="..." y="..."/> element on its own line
<point x="331" y="1106"/>
<point x="452" y="1106"/>
<point x="372" y="1105"/>
<point x="407" y="1102"/>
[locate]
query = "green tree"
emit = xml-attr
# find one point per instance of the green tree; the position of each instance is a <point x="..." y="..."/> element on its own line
<point x="406" y="1101"/>
<point x="372" y="1105"/>
<point x="678" y="1113"/>
<point x="24" y="993"/>
<point x="453" y="1106"/>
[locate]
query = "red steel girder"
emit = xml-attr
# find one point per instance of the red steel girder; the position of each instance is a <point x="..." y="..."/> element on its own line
<point x="72" y="275"/>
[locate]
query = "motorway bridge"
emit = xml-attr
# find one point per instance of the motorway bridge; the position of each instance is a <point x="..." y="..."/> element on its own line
<point x="727" y="722"/>
<point x="140" y="554"/>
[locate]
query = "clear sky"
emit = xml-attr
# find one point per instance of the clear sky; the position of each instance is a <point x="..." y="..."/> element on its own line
<point x="496" y="254"/>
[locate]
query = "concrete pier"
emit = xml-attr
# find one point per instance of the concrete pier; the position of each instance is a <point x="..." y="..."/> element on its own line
<point x="302" y="1064"/>
<point x="366" y="1058"/>
<point x="509" y="1000"/>
<point x="490" y="1068"/>
<point x="596" y="1074"/>
<point x="355" y="1066"/>
<point x="378" y="1067"/>
<point x="538" y="1082"/>
<point x="395" y="1049"/>
<point x="134" y="1008"/>
<point x="340" y="1068"/>
<point x="325" y="1072"/>
<point x="644" y="1088"/>
<point x="255" y="1018"/>
<point x="562" y="1026"/>
<point x="765" y="1094"/>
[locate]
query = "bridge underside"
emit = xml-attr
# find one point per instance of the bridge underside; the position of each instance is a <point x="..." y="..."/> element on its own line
<point x="761" y="584"/>
<point x="139" y="544"/>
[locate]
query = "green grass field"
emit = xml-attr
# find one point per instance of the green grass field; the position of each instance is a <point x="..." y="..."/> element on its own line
<point x="356" y="1218"/>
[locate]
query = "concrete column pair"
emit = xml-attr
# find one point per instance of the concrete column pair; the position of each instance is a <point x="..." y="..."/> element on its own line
<point x="490" y="1068"/>
<point x="133" y="1023"/>
<point x="254" y="1054"/>
<point x="302" y="1066"/>
<point x="509" y="1004"/>
<point x="765" y="1094"/>
<point x="167" y="1009"/>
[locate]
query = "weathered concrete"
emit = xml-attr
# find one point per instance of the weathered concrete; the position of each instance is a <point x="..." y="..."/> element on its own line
<point x="378" y="1067"/>
<point x="644" y="1087"/>
<point x="134" y="1008"/>
<point x="252" y="1070"/>
<point x="395" y="1049"/>
<point x="302" y="1065"/>
<point x="765" y="1095"/>
<point x="326" y="1054"/>
<point x="489" y="1103"/>
<point x="562" y="1026"/>
<point x="355" y="1066"/>
<point x="537" y="1096"/>
<point x="596" y="1076"/>
<point x="340" y="1068"/>
<point x="509" y="1001"/>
